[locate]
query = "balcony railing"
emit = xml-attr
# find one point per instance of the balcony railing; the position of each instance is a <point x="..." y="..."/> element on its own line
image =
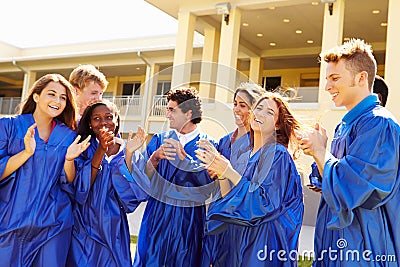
<point x="159" y="106"/>
<point x="128" y="105"/>
<point x="8" y="105"/>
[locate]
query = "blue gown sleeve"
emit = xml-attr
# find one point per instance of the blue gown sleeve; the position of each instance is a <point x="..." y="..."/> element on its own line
<point x="6" y="184"/>
<point x="249" y="203"/>
<point x="65" y="185"/>
<point x="81" y="183"/>
<point x="315" y="177"/>
<point x="126" y="184"/>
<point x="364" y="177"/>
<point x="4" y="136"/>
<point x="152" y="146"/>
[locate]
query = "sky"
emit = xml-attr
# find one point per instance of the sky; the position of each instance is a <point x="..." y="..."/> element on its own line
<point x="38" y="23"/>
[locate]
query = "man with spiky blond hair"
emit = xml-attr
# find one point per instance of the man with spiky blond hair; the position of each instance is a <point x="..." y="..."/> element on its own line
<point x="89" y="83"/>
<point x="358" y="217"/>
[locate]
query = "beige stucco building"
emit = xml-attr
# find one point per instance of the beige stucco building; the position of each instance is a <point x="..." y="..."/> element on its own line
<point x="219" y="44"/>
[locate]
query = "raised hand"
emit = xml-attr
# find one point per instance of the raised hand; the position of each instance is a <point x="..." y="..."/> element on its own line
<point x="29" y="140"/>
<point x="75" y="149"/>
<point x="106" y="138"/>
<point x="168" y="151"/>
<point x="173" y="146"/>
<point x="136" y="142"/>
<point x="312" y="141"/>
<point x="206" y="145"/>
<point x="212" y="160"/>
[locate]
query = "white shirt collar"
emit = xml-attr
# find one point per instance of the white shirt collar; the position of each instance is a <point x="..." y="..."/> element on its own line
<point x="186" y="138"/>
<point x="119" y="141"/>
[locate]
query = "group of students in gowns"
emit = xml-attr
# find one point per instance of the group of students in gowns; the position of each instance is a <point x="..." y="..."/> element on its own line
<point x="250" y="176"/>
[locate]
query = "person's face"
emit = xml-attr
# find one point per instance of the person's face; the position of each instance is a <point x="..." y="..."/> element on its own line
<point x="52" y="100"/>
<point x="177" y="119"/>
<point x="101" y="117"/>
<point x="264" y="117"/>
<point x="92" y="91"/>
<point x="241" y="109"/>
<point x="341" y="84"/>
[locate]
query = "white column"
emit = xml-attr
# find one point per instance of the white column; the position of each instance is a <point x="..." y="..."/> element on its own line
<point x="256" y="67"/>
<point x="227" y="59"/>
<point x="183" y="50"/>
<point x="29" y="80"/>
<point x="208" y="75"/>
<point x="392" y="63"/>
<point x="150" y="90"/>
<point x="332" y="35"/>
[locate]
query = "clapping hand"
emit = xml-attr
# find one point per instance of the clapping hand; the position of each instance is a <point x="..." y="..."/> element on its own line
<point x="173" y="147"/>
<point x="29" y="140"/>
<point x="106" y="138"/>
<point x="75" y="149"/>
<point x="211" y="158"/>
<point x="137" y="141"/>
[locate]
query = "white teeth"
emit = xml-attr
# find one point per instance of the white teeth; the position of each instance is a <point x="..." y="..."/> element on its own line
<point x="55" y="107"/>
<point x="257" y="120"/>
<point x="335" y="94"/>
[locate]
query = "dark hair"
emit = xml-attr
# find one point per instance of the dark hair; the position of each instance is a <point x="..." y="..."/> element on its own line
<point x="358" y="57"/>
<point x="286" y="122"/>
<point x="84" y="129"/>
<point x="253" y="92"/>
<point x="68" y="116"/>
<point x="380" y="87"/>
<point x="187" y="99"/>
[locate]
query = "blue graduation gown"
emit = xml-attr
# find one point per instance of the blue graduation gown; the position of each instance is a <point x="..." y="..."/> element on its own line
<point x="172" y="227"/>
<point x="264" y="211"/>
<point x="101" y="231"/>
<point x="36" y="214"/>
<point x="215" y="246"/>
<point x="360" y="203"/>
<point x="238" y="153"/>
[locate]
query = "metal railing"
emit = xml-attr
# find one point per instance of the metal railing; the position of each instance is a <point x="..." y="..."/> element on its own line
<point x="128" y="105"/>
<point x="8" y="105"/>
<point x="159" y="106"/>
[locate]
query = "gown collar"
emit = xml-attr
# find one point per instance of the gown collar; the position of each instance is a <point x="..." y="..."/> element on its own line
<point x="366" y="104"/>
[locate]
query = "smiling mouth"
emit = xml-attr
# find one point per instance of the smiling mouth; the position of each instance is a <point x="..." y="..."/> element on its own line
<point x="54" y="107"/>
<point x="258" y="121"/>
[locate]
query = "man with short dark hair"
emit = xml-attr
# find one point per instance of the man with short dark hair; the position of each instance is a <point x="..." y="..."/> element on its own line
<point x="172" y="227"/>
<point x="358" y="216"/>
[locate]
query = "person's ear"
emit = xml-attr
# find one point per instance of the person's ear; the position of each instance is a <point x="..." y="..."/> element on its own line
<point x="35" y="97"/>
<point x="363" y="78"/>
<point x="189" y="115"/>
<point x="76" y="90"/>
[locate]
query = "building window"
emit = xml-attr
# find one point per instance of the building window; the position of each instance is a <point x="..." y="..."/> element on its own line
<point x="131" y="88"/>
<point x="163" y="87"/>
<point x="271" y="83"/>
